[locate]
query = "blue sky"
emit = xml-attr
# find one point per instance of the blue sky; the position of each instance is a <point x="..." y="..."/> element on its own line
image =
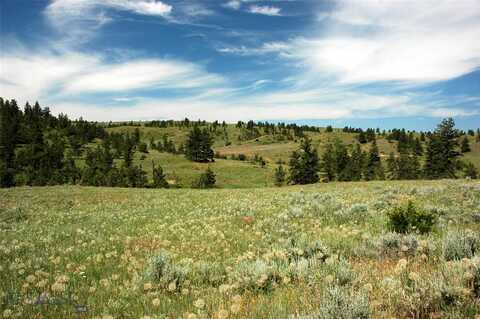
<point x="360" y="63"/>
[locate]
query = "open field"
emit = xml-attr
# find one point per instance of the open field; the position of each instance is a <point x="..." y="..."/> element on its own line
<point x="319" y="251"/>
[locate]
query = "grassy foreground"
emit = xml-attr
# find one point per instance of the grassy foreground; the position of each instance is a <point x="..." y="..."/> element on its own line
<point x="319" y="251"/>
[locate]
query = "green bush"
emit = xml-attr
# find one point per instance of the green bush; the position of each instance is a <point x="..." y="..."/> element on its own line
<point x="165" y="273"/>
<point x="460" y="244"/>
<point x="342" y="303"/>
<point x="406" y="219"/>
<point x="205" y="180"/>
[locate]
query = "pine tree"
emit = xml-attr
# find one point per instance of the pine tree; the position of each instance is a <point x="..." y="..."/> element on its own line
<point x="362" y="139"/>
<point x="9" y="127"/>
<point x="392" y="167"/>
<point x="328" y="162"/>
<point x="198" y="147"/>
<point x="280" y="175"/>
<point x="441" y="154"/>
<point x="342" y="161"/>
<point x="465" y="145"/>
<point x="159" y="180"/>
<point x="206" y="180"/>
<point x="418" y="148"/>
<point x="304" y="164"/>
<point x="470" y="170"/>
<point x="373" y="166"/>
<point x="357" y="160"/>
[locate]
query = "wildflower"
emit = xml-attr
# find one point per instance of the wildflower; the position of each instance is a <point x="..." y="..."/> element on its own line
<point x="191" y="316"/>
<point x="147" y="286"/>
<point x="401" y="265"/>
<point x="156" y="302"/>
<point x="235" y="308"/>
<point x="329" y="279"/>
<point x="62" y="279"/>
<point x="92" y="290"/>
<point x="30" y="279"/>
<point x="42" y="283"/>
<point x="172" y="286"/>
<point x="237" y="299"/>
<point x="7" y="313"/>
<point x="222" y="314"/>
<point x="58" y="287"/>
<point x="413" y="276"/>
<point x="199" y="303"/>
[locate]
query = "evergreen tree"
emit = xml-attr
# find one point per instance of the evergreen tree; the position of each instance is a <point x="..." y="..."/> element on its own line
<point x="373" y="168"/>
<point x="441" y="154"/>
<point x="417" y="147"/>
<point x="362" y="139"/>
<point x="465" y="145"/>
<point x="280" y="175"/>
<point x="357" y="160"/>
<point x="342" y="161"/>
<point x="159" y="180"/>
<point x="206" y="180"/>
<point x="470" y="170"/>
<point x="392" y="167"/>
<point x="9" y="127"/>
<point x="328" y="162"/>
<point x="304" y="164"/>
<point x="198" y="147"/>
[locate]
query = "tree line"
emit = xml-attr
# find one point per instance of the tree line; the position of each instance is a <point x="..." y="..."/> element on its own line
<point x="37" y="148"/>
<point x="338" y="163"/>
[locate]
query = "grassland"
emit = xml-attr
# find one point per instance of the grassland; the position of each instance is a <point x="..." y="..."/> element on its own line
<point x="319" y="251"/>
<point x="238" y="174"/>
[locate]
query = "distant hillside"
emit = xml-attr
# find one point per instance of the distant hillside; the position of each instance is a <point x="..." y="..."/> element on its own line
<point x="235" y="173"/>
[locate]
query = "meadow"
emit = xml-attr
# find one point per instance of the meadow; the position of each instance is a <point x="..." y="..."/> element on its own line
<point x="317" y="251"/>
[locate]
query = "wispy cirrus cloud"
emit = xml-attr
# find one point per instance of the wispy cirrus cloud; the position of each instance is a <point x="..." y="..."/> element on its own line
<point x="265" y="10"/>
<point x="370" y="41"/>
<point x="49" y="74"/>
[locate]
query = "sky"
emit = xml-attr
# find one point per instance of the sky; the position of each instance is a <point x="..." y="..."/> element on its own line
<point x="362" y="63"/>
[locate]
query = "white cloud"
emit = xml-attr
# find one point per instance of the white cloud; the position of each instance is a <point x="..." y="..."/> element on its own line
<point x="78" y="20"/>
<point x="373" y="41"/>
<point x="265" y="10"/>
<point x="269" y="47"/>
<point x="41" y="75"/>
<point x="233" y="4"/>
<point x="417" y="41"/>
<point x="141" y="74"/>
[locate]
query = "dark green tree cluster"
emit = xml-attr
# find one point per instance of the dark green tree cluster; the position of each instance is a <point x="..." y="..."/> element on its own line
<point x="442" y="152"/>
<point x="304" y="164"/>
<point x="37" y="148"/>
<point x="166" y="145"/>
<point x="198" y="147"/>
<point x="205" y="180"/>
<point x="340" y="164"/>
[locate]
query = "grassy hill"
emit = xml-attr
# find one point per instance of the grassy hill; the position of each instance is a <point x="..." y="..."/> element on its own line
<point x="234" y="173"/>
<point x="318" y="251"/>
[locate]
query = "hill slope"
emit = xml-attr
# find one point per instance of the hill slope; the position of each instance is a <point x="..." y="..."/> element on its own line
<point x="234" y="173"/>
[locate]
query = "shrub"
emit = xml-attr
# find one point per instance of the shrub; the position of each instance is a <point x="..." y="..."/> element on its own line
<point x="212" y="274"/>
<point x="405" y="219"/>
<point x="302" y="247"/>
<point x="460" y="244"/>
<point x="394" y="244"/>
<point x="341" y="303"/>
<point x="257" y="275"/>
<point x="165" y="273"/>
<point x="206" y="180"/>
